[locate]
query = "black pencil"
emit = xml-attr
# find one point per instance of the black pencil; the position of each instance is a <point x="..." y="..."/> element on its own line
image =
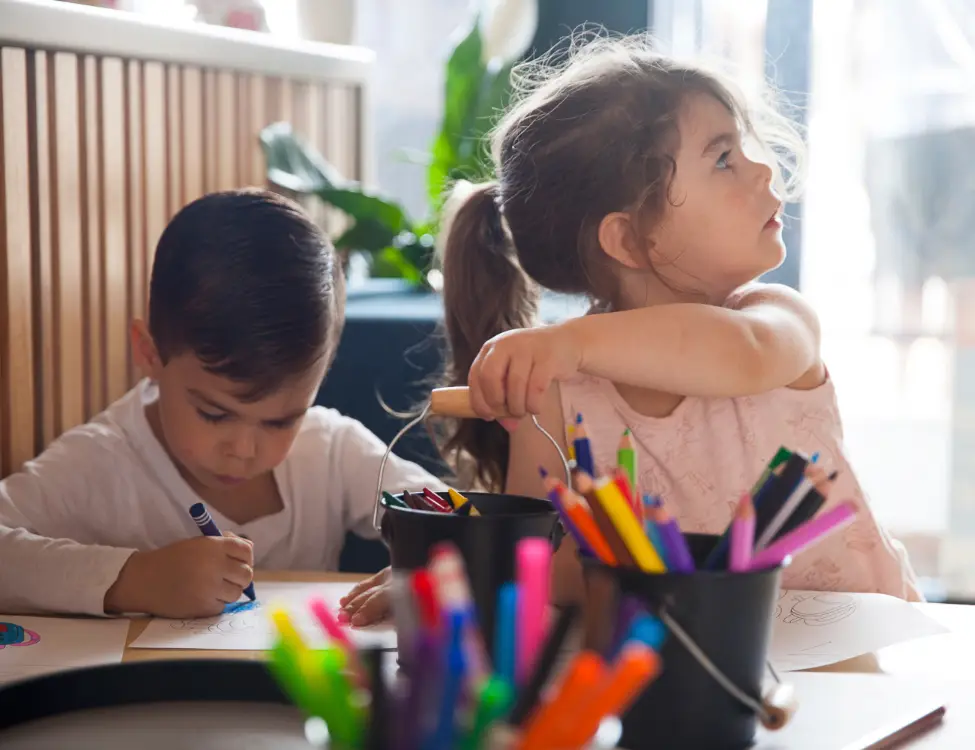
<point x="528" y="697"/>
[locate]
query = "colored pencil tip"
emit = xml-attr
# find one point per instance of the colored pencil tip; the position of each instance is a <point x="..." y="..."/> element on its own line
<point x="836" y="473"/>
<point x="579" y="418"/>
<point x="746" y="508"/>
<point x="543" y="471"/>
<point x="626" y="432"/>
<point x="815" y="457"/>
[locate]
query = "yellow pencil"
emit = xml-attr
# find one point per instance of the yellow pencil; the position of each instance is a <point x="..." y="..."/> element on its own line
<point x="458" y="500"/>
<point x="626" y="524"/>
<point x="569" y="430"/>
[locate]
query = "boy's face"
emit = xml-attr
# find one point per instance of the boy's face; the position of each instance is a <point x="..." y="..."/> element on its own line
<point x="217" y="440"/>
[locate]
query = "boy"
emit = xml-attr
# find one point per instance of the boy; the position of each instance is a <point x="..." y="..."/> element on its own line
<point x="245" y="311"/>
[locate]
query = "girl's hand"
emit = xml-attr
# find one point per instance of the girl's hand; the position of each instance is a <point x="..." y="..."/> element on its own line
<point x="368" y="601"/>
<point x="513" y="371"/>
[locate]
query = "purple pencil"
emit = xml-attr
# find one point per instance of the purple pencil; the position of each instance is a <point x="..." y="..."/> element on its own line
<point x="554" y="492"/>
<point x="806" y="535"/>
<point x="676" y="553"/>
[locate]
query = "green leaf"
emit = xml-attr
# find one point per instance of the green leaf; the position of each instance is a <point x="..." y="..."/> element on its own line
<point x="390" y="263"/>
<point x="293" y="164"/>
<point x="463" y="81"/>
<point x="367" y="235"/>
<point x="363" y="205"/>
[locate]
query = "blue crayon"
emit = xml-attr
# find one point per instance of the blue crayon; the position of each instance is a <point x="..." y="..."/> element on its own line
<point x="201" y="517"/>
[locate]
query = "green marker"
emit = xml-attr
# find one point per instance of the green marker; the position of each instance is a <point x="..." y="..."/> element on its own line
<point x="392" y="500"/>
<point x="493" y="703"/>
<point x="346" y="724"/>
<point x="626" y="459"/>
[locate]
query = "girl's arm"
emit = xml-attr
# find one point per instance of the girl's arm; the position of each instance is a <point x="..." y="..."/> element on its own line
<point x="528" y="450"/>
<point x="769" y="341"/>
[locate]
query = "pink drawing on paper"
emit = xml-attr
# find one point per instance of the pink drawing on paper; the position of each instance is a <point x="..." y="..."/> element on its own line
<point x="12" y="634"/>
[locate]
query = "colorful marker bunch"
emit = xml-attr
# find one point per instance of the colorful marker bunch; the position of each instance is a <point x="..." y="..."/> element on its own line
<point x="429" y="500"/>
<point x="448" y="694"/>
<point x="773" y="522"/>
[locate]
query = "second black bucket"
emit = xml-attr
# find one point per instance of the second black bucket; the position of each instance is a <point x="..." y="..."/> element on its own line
<point x="728" y="615"/>
<point x="487" y="542"/>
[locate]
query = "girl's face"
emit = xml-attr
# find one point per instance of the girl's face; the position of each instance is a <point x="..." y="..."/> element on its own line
<point x="722" y="226"/>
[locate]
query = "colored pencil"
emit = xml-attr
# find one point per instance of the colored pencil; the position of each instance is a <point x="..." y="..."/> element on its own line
<point x="459" y="501"/>
<point x="742" y="535"/>
<point x="806" y="535"/>
<point x="672" y="540"/>
<point x="811" y="504"/>
<point x="436" y="501"/>
<point x="585" y="486"/>
<point x="586" y="525"/>
<point x="812" y="476"/>
<point x="583" y="448"/>
<point x="621" y="514"/>
<point x="626" y="457"/>
<point x="553" y="491"/>
<point x="570" y="442"/>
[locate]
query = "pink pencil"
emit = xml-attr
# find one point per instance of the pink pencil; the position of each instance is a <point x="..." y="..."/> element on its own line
<point x="533" y="560"/>
<point x="742" y="535"/>
<point x="808" y="534"/>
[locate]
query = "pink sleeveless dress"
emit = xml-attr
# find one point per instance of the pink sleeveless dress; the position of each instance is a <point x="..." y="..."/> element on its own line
<point x="701" y="457"/>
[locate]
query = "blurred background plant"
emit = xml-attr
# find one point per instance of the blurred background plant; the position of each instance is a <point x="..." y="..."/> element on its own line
<point x="477" y="88"/>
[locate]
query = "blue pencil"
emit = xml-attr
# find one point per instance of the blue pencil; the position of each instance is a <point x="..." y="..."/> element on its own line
<point x="583" y="448"/>
<point x="201" y="516"/>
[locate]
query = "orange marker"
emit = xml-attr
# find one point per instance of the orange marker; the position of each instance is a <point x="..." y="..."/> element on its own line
<point x="582" y="519"/>
<point x="581" y="681"/>
<point x="636" y="666"/>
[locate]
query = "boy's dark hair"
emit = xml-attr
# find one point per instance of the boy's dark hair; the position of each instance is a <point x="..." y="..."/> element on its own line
<point x="245" y="281"/>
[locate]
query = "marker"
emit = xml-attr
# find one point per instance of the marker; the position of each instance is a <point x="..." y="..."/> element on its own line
<point x="202" y="518"/>
<point x="533" y="558"/>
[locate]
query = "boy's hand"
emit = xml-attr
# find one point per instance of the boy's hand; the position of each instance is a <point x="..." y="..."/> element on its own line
<point x="514" y="371"/>
<point x="367" y="602"/>
<point x="192" y="578"/>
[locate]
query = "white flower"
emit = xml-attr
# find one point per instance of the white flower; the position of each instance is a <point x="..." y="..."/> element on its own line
<point x="507" y="29"/>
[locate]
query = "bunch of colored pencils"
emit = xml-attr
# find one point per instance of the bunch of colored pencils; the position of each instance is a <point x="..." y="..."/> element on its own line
<point x="428" y="500"/>
<point x="609" y="521"/>
<point x="448" y="695"/>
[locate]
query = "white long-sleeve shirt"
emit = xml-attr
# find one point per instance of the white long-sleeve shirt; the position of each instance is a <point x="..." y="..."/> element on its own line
<point x="71" y="518"/>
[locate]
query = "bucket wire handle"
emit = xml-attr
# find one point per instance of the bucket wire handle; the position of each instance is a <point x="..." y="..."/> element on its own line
<point x="775" y="707"/>
<point x="450" y="402"/>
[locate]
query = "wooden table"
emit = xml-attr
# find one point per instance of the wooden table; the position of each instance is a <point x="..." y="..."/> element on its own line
<point x="947" y="661"/>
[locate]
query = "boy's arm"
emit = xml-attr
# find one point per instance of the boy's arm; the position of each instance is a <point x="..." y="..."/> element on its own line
<point x="769" y="341"/>
<point x="529" y="449"/>
<point x="38" y="571"/>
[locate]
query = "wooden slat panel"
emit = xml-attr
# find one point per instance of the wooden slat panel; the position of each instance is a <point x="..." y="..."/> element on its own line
<point x="135" y="196"/>
<point x="339" y="148"/>
<point x="227" y="178"/>
<point x="115" y="224"/>
<point x="211" y="139"/>
<point x="92" y="239"/>
<point x="253" y="121"/>
<point x="309" y="126"/>
<point x="66" y="215"/>
<point x="41" y="258"/>
<point x="174" y="138"/>
<point x="156" y="174"/>
<point x="192" y="113"/>
<point x="17" y="415"/>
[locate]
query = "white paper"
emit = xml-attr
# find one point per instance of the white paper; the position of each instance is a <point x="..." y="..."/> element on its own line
<point x="815" y="628"/>
<point x="250" y="628"/>
<point x="36" y="645"/>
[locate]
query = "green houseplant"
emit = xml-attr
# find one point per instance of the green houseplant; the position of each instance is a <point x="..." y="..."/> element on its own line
<point x="477" y="87"/>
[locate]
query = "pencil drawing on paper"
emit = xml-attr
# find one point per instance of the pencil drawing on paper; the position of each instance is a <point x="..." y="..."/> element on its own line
<point x="236" y="617"/>
<point x="820" y="609"/>
<point x="12" y="634"/>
